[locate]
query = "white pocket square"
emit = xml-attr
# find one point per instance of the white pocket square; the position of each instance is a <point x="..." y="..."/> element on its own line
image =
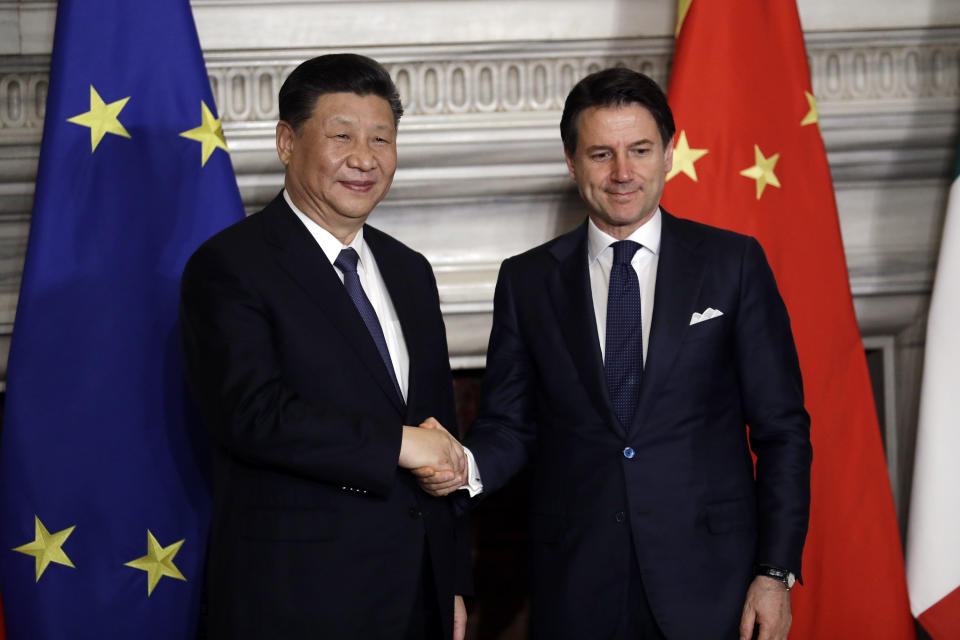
<point x="709" y="314"/>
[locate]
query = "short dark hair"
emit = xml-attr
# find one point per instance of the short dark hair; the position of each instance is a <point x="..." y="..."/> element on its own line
<point x="615" y="87"/>
<point x="335" y="73"/>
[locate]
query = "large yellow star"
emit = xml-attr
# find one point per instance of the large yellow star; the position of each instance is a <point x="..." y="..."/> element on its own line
<point x="812" y="116"/>
<point x="762" y="171"/>
<point x="158" y="562"/>
<point x="209" y="134"/>
<point x="102" y="118"/>
<point x="684" y="157"/>
<point x="46" y="547"/>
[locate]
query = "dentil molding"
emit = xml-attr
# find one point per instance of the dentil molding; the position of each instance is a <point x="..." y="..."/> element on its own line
<point x="890" y="70"/>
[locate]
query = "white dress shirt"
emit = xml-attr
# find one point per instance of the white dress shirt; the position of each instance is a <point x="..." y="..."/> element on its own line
<point x="599" y="261"/>
<point x="645" y="260"/>
<point x="373" y="286"/>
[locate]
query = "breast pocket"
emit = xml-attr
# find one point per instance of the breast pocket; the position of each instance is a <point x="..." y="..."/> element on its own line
<point x="714" y="328"/>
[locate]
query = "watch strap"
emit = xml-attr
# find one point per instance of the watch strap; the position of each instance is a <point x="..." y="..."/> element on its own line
<point x="785" y="576"/>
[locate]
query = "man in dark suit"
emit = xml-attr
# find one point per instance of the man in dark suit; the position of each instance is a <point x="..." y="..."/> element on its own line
<point x="627" y="357"/>
<point x="310" y="340"/>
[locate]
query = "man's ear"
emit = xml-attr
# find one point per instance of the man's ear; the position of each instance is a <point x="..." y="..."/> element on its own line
<point x="668" y="157"/>
<point x="286" y="139"/>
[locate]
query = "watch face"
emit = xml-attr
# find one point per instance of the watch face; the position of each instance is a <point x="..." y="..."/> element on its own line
<point x="777" y="573"/>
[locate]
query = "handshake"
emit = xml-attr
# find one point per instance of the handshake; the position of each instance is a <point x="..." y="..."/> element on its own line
<point x="434" y="456"/>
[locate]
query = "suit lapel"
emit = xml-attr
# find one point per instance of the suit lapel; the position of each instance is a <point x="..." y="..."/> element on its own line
<point x="679" y="277"/>
<point x="303" y="260"/>
<point x="570" y="291"/>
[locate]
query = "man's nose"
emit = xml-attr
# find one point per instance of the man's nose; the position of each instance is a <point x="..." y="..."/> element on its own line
<point x="361" y="157"/>
<point x="622" y="171"/>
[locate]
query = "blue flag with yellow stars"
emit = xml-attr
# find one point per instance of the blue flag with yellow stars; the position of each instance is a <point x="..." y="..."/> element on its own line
<point x="104" y="497"/>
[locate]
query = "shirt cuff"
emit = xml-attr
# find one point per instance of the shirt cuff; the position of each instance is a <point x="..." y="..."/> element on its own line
<point x="474" y="484"/>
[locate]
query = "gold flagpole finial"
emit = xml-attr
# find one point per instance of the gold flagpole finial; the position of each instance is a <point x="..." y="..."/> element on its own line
<point x="682" y="7"/>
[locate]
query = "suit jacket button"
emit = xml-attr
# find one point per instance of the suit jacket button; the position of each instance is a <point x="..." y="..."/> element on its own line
<point x="415" y="513"/>
<point x="620" y="516"/>
<point x="628" y="452"/>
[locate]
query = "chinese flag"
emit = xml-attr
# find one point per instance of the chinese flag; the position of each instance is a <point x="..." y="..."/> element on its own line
<point x="749" y="157"/>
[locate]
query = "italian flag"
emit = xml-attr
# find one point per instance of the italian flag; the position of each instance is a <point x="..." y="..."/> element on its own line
<point x="933" y="536"/>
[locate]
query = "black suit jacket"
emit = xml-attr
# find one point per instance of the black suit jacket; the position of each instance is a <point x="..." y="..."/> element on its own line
<point x="687" y="499"/>
<point x="316" y="532"/>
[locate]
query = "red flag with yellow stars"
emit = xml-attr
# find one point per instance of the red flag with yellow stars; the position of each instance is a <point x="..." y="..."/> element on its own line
<point x="749" y="157"/>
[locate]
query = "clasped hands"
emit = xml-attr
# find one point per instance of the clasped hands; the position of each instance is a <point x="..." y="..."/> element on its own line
<point x="434" y="456"/>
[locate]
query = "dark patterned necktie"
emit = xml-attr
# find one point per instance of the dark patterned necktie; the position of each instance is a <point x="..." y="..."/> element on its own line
<point x="623" y="352"/>
<point x="347" y="263"/>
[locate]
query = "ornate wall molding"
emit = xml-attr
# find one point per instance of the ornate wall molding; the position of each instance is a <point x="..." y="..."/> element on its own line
<point x="435" y="81"/>
<point x="23" y="95"/>
<point x="890" y="70"/>
<point x="915" y="65"/>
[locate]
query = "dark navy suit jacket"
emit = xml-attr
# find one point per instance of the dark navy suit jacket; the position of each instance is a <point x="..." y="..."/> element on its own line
<point x="316" y="532"/>
<point x="687" y="497"/>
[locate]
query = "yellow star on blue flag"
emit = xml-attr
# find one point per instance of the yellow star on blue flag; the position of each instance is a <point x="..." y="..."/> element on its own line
<point x="209" y="134"/>
<point x="46" y="547"/>
<point x="101" y="118"/>
<point x="158" y="562"/>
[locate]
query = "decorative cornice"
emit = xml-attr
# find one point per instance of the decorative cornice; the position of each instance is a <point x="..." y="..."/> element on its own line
<point x="23" y="87"/>
<point x="896" y="66"/>
<point x="522" y="78"/>
<point x="891" y="70"/>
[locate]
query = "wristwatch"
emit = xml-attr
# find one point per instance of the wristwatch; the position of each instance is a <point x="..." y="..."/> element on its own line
<point x="777" y="573"/>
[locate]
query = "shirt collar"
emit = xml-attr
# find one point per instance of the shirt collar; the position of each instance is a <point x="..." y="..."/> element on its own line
<point x="328" y="242"/>
<point x="648" y="234"/>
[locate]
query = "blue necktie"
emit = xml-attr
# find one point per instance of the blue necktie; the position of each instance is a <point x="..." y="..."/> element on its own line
<point x="347" y="263"/>
<point x="623" y="361"/>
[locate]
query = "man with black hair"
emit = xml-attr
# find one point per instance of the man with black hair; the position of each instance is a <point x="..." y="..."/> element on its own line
<point x="627" y="357"/>
<point x="315" y="347"/>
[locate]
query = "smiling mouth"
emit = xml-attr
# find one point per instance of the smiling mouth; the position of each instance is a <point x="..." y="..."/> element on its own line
<point x="358" y="186"/>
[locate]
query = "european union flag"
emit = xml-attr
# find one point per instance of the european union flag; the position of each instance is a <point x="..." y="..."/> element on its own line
<point x="103" y="487"/>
